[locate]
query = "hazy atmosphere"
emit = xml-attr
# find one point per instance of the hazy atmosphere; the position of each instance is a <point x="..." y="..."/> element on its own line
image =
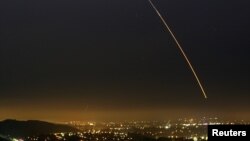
<point x="98" y="60"/>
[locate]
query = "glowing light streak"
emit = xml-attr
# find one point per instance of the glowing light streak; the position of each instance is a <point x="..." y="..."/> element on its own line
<point x="180" y="48"/>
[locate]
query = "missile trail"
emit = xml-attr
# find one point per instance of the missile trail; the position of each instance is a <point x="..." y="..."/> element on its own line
<point x="180" y="48"/>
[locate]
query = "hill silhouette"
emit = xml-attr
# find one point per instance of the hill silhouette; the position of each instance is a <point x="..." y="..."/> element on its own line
<point x="17" y="128"/>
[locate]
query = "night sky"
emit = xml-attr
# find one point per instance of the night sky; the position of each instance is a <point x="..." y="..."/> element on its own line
<point x="113" y="59"/>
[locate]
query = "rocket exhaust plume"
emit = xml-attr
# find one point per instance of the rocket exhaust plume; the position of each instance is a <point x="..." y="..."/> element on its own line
<point x="180" y="48"/>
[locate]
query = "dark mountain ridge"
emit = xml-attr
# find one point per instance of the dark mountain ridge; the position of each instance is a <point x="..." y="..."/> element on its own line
<point x="17" y="128"/>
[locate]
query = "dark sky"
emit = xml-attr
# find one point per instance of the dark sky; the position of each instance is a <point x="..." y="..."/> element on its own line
<point x="113" y="59"/>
